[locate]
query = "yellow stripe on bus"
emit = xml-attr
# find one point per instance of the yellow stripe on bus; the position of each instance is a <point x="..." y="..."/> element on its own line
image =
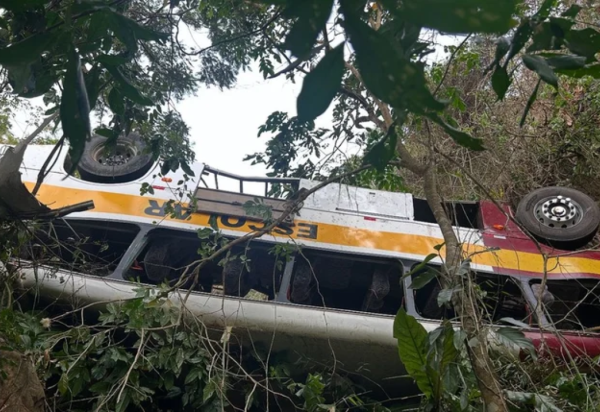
<point x="132" y="205"/>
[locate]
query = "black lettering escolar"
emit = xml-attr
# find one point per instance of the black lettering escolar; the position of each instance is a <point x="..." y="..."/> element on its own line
<point x="155" y="209"/>
<point x="254" y="227"/>
<point x="226" y="220"/>
<point x="303" y="230"/>
<point x="307" y="230"/>
<point x="284" y="230"/>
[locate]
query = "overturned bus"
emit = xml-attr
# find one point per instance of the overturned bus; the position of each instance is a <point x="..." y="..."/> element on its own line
<point x="327" y="282"/>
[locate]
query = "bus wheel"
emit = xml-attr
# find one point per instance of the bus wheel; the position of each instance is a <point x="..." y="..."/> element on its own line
<point x="562" y="217"/>
<point x="123" y="163"/>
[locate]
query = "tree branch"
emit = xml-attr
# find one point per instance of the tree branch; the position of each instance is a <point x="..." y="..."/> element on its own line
<point x="449" y="63"/>
<point x="235" y="38"/>
<point x="365" y="104"/>
<point x="42" y="174"/>
<point x="60" y="212"/>
<point x="20" y="147"/>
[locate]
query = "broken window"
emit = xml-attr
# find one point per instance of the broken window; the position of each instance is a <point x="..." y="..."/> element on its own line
<point x="426" y="297"/>
<point x="571" y="304"/>
<point x="501" y="297"/>
<point x="173" y="257"/>
<point x="345" y="282"/>
<point x="86" y="246"/>
<point x="462" y="214"/>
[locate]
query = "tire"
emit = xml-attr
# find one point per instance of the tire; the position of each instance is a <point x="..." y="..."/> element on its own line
<point x="127" y="164"/>
<point x="561" y="217"/>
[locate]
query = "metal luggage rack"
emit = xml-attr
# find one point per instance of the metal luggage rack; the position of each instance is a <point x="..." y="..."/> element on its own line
<point x="216" y="200"/>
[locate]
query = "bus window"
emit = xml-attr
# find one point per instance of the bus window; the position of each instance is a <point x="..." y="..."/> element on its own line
<point x="87" y="246"/>
<point x="571" y="304"/>
<point x="172" y="257"/>
<point x="346" y="282"/>
<point x="501" y="297"/>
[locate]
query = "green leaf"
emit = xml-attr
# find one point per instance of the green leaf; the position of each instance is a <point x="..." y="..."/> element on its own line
<point x="449" y="352"/>
<point x="572" y="11"/>
<point x="500" y="81"/>
<point x="103" y="131"/>
<point x="187" y="169"/>
<point x="543" y="38"/>
<point x="542" y="403"/>
<point x="21" y="5"/>
<point x="212" y="222"/>
<point x="412" y="348"/>
<point x="51" y="110"/>
<point x="209" y="391"/>
<point x="123" y="402"/>
<point x="591" y="70"/>
<point x="550" y="35"/>
<point x="460" y="137"/>
<point x="169" y="380"/>
<point x="464" y="267"/>
<point x="116" y="102"/>
<point x="445" y="296"/>
<point x="544" y="9"/>
<point x="530" y="102"/>
<point x="541" y="67"/>
<point x="126" y="88"/>
<point x="100" y="387"/>
<point x="421" y="265"/>
<point x="502" y="47"/>
<point x="20" y="77"/>
<point x="423" y="279"/>
<point x="460" y="336"/>
<point x="391" y="77"/>
<point x="63" y="384"/>
<point x="129" y="31"/>
<point x="584" y="42"/>
<point x="564" y="61"/>
<point x="36" y="81"/>
<point x="459" y="16"/>
<point x="75" y="109"/>
<point x="520" y="38"/>
<point x="99" y="26"/>
<point x="27" y="50"/>
<point x="312" y="16"/>
<point x="383" y="151"/>
<point x="514" y="338"/>
<point x="561" y="27"/>
<point x="321" y="85"/>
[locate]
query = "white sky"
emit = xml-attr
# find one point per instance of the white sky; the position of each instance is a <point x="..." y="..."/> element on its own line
<point x="224" y="124"/>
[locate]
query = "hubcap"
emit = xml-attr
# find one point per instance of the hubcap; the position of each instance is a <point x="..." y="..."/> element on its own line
<point x="558" y="212"/>
<point x="114" y="156"/>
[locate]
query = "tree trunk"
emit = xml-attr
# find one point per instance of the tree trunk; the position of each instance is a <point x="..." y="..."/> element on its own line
<point x="465" y="302"/>
<point x="20" y="387"/>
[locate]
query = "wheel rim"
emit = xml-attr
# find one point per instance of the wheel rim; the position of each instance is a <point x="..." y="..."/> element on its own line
<point x="119" y="155"/>
<point x="559" y="212"/>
